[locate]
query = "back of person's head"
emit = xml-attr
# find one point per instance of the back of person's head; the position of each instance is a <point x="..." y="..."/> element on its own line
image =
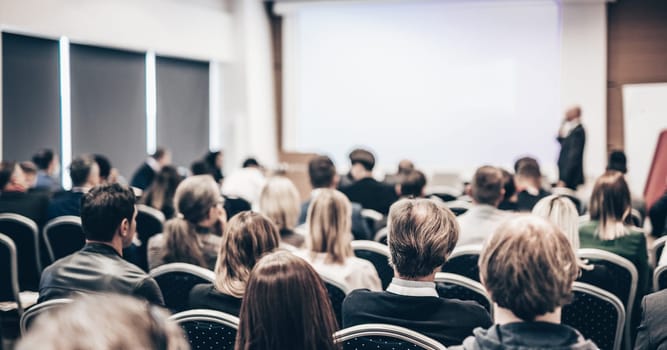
<point x="487" y="185"/>
<point x="161" y="191"/>
<point x="43" y="158"/>
<point x="250" y="163"/>
<point x="322" y="172"/>
<point x="529" y="168"/>
<point x="329" y="222"/>
<point x="421" y="235"/>
<point x="28" y="167"/>
<point x="213" y="159"/>
<point x="522" y="161"/>
<point x="561" y="212"/>
<point x="279" y="201"/>
<point x="528" y="267"/>
<point x="617" y="161"/>
<point x="248" y="236"/>
<point x="160" y="153"/>
<point x="405" y="166"/>
<point x="412" y="184"/>
<point x="105" y="166"/>
<point x="285" y="307"/>
<point x="84" y="168"/>
<point x="7" y="170"/>
<point x="573" y="113"/>
<point x="104" y="209"/>
<point x="363" y="157"/>
<point x="508" y="184"/>
<point x="200" y="167"/>
<point x="611" y="205"/>
<point x="104" y="322"/>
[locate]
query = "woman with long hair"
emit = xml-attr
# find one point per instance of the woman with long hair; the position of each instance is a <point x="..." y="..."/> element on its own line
<point x="285" y="307"/>
<point x="279" y="201"/>
<point x="247" y="237"/>
<point x="193" y="235"/>
<point x="329" y="249"/>
<point x="160" y="194"/>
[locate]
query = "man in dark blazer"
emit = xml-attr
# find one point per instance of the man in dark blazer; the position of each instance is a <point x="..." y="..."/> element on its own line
<point x="572" y="139"/>
<point x="367" y="191"/>
<point x="85" y="174"/>
<point x="15" y="197"/>
<point x="144" y="176"/>
<point x="652" y="331"/>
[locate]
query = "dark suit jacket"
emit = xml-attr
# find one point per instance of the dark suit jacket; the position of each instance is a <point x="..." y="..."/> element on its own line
<point x="143" y="177"/>
<point x="652" y="331"/>
<point x="65" y="203"/>
<point x="205" y="296"/>
<point x="658" y="215"/>
<point x="526" y="201"/>
<point x="571" y="157"/>
<point x="371" y="194"/>
<point x="30" y="205"/>
<point x="360" y="229"/>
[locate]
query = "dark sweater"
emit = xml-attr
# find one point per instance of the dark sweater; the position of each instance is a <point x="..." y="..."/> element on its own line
<point x="205" y="296"/>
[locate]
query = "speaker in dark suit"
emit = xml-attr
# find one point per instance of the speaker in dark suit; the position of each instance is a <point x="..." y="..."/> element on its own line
<point x="144" y="176"/>
<point x="572" y="139"/>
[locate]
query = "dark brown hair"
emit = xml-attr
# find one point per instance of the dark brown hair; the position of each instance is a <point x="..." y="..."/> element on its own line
<point x="487" y="185"/>
<point x="610" y="205"/>
<point x="285" y="307"/>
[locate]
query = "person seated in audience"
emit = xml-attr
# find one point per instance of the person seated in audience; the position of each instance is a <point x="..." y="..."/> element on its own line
<point x="30" y="171"/>
<point x="329" y="249"/>
<point x="423" y="234"/>
<point x="193" y="236"/>
<point x="285" y="307"/>
<point x="528" y="268"/>
<point x="405" y="166"/>
<point x="246" y="183"/>
<point x="199" y="167"/>
<point x="617" y="161"/>
<point x="108" y="174"/>
<point x="509" y="202"/>
<point x="144" y="176"/>
<point x="85" y="174"/>
<point x="280" y="202"/>
<point x="658" y="215"/>
<point x="108" y="217"/>
<point x="15" y="198"/>
<point x="365" y="190"/>
<point x="412" y="184"/>
<point x="104" y="322"/>
<point x="214" y="161"/>
<point x="652" y="330"/>
<point x="160" y="194"/>
<point x="528" y="180"/>
<point x="483" y="217"/>
<point x="247" y="237"/>
<point x="47" y="176"/>
<point x="322" y="174"/>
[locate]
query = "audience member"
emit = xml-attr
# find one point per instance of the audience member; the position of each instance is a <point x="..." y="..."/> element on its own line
<point x="85" y="174"/>
<point x="329" y="236"/>
<point x="509" y="202"/>
<point x="528" y="180"/>
<point x="214" y="161"/>
<point x="652" y="331"/>
<point x="193" y="235"/>
<point x="104" y="322"/>
<point x="199" y="167"/>
<point x="365" y="190"/>
<point x="108" y="174"/>
<point x="30" y="171"/>
<point x="248" y="236"/>
<point x="280" y="202"/>
<point x="160" y="194"/>
<point x="423" y="234"/>
<point x="412" y="184"/>
<point x="617" y="161"/>
<point x="405" y="166"/>
<point x="322" y="174"/>
<point x="658" y="215"/>
<point x="528" y="268"/>
<point x="483" y="217"/>
<point x="14" y="197"/>
<point x="285" y="307"/>
<point x="144" y="176"/>
<point x="246" y="183"/>
<point x="48" y="169"/>
<point x="108" y="217"/>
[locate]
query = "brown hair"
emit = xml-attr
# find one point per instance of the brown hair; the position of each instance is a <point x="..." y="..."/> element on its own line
<point x="487" y="185"/>
<point x="285" y="307"/>
<point x="421" y="235"/>
<point x="248" y="236"/>
<point x="610" y="205"/>
<point x="528" y="266"/>
<point x="279" y="201"/>
<point x="329" y="223"/>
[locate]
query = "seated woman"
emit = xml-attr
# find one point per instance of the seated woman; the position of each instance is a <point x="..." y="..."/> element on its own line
<point x="329" y="249"/>
<point x="285" y="307"/>
<point x="279" y="201"/>
<point x="247" y="237"/>
<point x="193" y="236"/>
<point x="160" y="194"/>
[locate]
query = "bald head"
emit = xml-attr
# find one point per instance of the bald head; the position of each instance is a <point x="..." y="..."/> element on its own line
<point x="573" y="113"/>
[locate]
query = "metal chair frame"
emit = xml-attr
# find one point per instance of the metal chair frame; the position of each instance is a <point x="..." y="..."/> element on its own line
<point x="452" y="278"/>
<point x="612" y="299"/>
<point x="61" y="220"/>
<point x="40" y="308"/>
<point x="386" y="330"/>
<point x="13" y="270"/>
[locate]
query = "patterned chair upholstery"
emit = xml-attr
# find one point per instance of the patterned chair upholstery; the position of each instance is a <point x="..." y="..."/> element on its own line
<point x="378" y="255"/>
<point x="208" y="329"/>
<point x="452" y="286"/>
<point x="463" y="261"/>
<point x="384" y="337"/>
<point x="176" y="280"/>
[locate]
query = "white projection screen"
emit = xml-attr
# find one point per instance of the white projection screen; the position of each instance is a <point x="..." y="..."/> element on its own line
<point x="448" y="84"/>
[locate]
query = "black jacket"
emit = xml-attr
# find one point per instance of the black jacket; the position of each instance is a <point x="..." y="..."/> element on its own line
<point x="527" y="336"/>
<point x="371" y="194"/>
<point x="571" y="157"/>
<point x="97" y="268"/>
<point x="143" y="177"/>
<point x="652" y="331"/>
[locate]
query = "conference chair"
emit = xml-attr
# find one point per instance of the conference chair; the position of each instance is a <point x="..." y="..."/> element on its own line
<point x="378" y="336"/>
<point x="656" y="250"/>
<point x="176" y="280"/>
<point x="378" y="255"/>
<point x="381" y="235"/>
<point x="63" y="236"/>
<point x="24" y="233"/>
<point x="637" y="218"/>
<point x="208" y="329"/>
<point x="660" y="278"/>
<point x="374" y="219"/>
<point x="149" y="223"/>
<point x="9" y="283"/>
<point x="452" y="286"/>
<point x="463" y="261"/>
<point x="35" y="311"/>
<point x="597" y="314"/>
<point x="337" y="293"/>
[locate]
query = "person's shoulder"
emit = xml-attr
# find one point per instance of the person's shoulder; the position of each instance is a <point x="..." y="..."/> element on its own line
<point x="473" y="310"/>
<point x="360" y="297"/>
<point x="201" y="290"/>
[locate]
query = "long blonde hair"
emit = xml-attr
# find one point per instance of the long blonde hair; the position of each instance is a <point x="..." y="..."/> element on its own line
<point x="329" y="224"/>
<point x="610" y="205"/>
<point x="279" y="201"/>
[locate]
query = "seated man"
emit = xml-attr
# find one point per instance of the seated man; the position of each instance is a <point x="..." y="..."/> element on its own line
<point x="85" y="174"/>
<point x="528" y="181"/>
<point x="423" y="234"/>
<point x="47" y="174"/>
<point x="365" y="190"/>
<point x="528" y="268"/>
<point x="652" y="331"/>
<point x="108" y="217"/>
<point x="412" y="184"/>
<point x="15" y="198"/>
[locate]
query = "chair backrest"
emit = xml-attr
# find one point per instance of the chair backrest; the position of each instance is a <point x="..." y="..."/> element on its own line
<point x="656" y="250"/>
<point x="637" y="218"/>
<point x="9" y="282"/>
<point x="384" y="337"/>
<point x="660" y="278"/>
<point x="208" y="329"/>
<point x="24" y="233"/>
<point x="337" y="293"/>
<point x="463" y="261"/>
<point x="458" y="207"/>
<point x="176" y="281"/>
<point x="63" y="236"/>
<point x="149" y="222"/>
<point x="374" y="219"/>
<point x="33" y="312"/>
<point x="378" y="255"/>
<point x="452" y="286"/>
<point x="381" y="235"/>
<point x="597" y="314"/>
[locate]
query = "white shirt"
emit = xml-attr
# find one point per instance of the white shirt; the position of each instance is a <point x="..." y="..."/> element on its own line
<point x="478" y="223"/>
<point x="246" y="183"/>
<point x="355" y="273"/>
<point x="412" y="288"/>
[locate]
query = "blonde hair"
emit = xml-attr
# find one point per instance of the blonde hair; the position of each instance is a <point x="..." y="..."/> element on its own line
<point x="247" y="237"/>
<point x="329" y="223"/>
<point x="610" y="205"/>
<point x="279" y="201"/>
